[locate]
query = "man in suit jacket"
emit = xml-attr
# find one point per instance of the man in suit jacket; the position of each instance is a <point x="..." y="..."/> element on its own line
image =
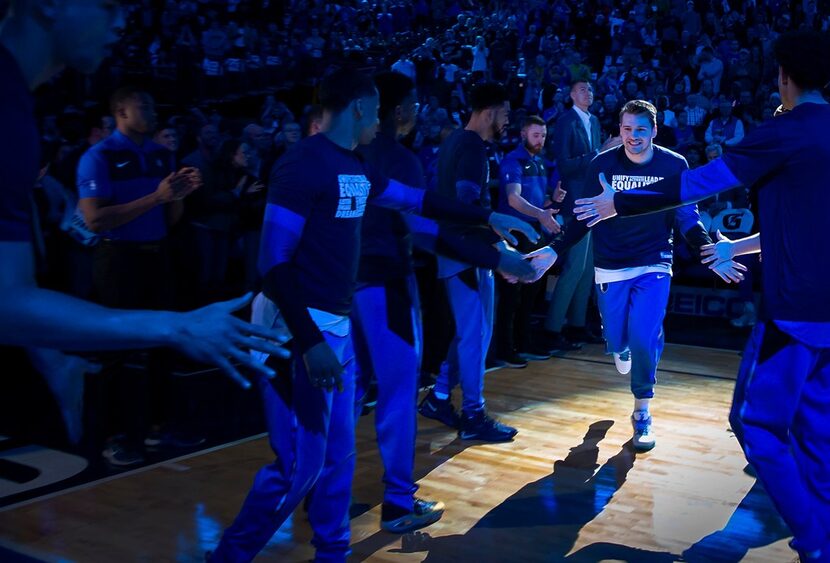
<point x="576" y="141"/>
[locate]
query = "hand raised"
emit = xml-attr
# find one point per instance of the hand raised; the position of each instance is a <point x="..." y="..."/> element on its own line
<point x="720" y="251"/>
<point x="598" y="208"/>
<point x="503" y="224"/>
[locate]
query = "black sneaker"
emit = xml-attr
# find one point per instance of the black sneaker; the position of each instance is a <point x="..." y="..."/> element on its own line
<point x="493" y="365"/>
<point x="439" y="409"/>
<point x="534" y="355"/>
<point x="174" y="440"/>
<point x="513" y="361"/>
<point x="120" y="453"/>
<point x="480" y="426"/>
<point x="555" y="342"/>
<point x="583" y="335"/>
<point x="398" y="521"/>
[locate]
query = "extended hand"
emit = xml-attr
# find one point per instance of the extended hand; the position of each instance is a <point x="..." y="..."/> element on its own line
<point x="541" y="260"/>
<point x="213" y="335"/>
<point x="503" y="224"/>
<point x="721" y="251"/>
<point x="513" y="266"/>
<point x="323" y="368"/>
<point x="598" y="208"/>
<point x="729" y="271"/>
<point x="547" y="218"/>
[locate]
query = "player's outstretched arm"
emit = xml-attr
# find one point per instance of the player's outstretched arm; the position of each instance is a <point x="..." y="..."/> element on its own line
<point x="34" y="317"/>
<point x="725" y="249"/>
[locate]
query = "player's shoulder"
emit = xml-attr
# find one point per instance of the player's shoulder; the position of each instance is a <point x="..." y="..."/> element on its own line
<point x="663" y="152"/>
<point x="608" y="156"/>
<point x="670" y="156"/>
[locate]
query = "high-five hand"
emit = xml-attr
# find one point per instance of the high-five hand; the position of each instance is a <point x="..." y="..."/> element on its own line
<point x="503" y="224"/>
<point x="598" y="208"/>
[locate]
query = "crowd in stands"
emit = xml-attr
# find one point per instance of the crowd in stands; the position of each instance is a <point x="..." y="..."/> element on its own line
<point x="233" y="84"/>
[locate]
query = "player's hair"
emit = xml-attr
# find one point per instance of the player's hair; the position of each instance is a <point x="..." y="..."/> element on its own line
<point x="123" y="95"/>
<point x="533" y="120"/>
<point x="640" y="107"/>
<point x="487" y="95"/>
<point x="393" y="88"/>
<point x="342" y="86"/>
<point x="805" y="57"/>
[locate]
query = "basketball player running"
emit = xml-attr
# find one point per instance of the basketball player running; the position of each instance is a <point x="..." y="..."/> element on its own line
<point x="781" y="403"/>
<point x="633" y="259"/>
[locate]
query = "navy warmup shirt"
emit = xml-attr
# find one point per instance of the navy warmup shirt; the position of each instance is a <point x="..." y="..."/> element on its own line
<point x="386" y="241"/>
<point x="463" y="174"/>
<point x="645" y="240"/>
<point x="329" y="187"/>
<point x="784" y="162"/>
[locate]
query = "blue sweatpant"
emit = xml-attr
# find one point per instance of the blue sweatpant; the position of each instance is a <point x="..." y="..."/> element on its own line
<point x="471" y="295"/>
<point x="388" y="345"/>
<point x="632" y="318"/>
<point x="312" y="432"/>
<point x="781" y="416"/>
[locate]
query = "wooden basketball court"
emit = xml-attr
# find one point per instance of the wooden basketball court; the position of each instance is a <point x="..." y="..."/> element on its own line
<point x="569" y="488"/>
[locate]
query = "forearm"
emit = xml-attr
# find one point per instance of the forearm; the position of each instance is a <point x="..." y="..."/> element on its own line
<point x="689" y="187"/>
<point x="696" y="237"/>
<point x="32" y="316"/>
<point x="104" y="218"/>
<point x="523" y="206"/>
<point x="747" y="245"/>
<point x="573" y="232"/>
<point x="407" y="199"/>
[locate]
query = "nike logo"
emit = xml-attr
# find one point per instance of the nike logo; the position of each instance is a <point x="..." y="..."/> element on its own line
<point x="122" y="164"/>
<point x="661" y="276"/>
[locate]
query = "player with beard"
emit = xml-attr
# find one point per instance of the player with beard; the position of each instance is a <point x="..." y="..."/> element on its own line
<point x="387" y="314"/>
<point x="464" y="174"/>
<point x="633" y="258"/>
<point x="524" y="192"/>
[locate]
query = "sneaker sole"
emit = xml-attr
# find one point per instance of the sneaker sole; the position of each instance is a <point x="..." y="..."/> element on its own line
<point x="515" y="366"/>
<point x="645" y="448"/>
<point x="410" y="523"/>
<point x="476" y="437"/>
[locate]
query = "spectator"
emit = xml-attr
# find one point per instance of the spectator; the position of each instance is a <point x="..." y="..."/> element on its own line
<point x="711" y="68"/>
<point x="208" y="140"/>
<point x="524" y="192"/>
<point x="576" y="140"/>
<point x="130" y="195"/>
<point x="695" y="114"/>
<point x="213" y="212"/>
<point x="725" y="129"/>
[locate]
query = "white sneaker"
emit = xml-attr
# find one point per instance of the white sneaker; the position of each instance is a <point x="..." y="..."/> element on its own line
<point x="623" y="361"/>
<point x="643" y="439"/>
